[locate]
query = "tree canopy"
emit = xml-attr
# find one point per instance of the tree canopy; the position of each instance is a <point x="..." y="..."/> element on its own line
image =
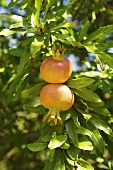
<point x="28" y="31"/>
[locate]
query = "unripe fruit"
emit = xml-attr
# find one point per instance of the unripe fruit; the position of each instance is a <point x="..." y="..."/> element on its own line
<point x="56" y="98"/>
<point x="56" y="69"/>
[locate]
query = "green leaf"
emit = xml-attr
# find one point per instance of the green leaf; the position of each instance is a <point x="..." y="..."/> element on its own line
<point x="57" y="141"/>
<point x="46" y="133"/>
<point x="36" y="146"/>
<point x="67" y="114"/>
<point x="50" y="165"/>
<point x="63" y="24"/>
<point x="100" y="124"/>
<point x="84" y="165"/>
<point x="60" y="165"/>
<point x="72" y="152"/>
<point x="97" y="138"/>
<point x="71" y="131"/>
<point x="75" y="120"/>
<point x="85" y="145"/>
<point x="49" y="4"/>
<point x="51" y="155"/>
<point x="36" y="45"/>
<point x="38" y="4"/>
<point x="35" y="89"/>
<point x="71" y="162"/>
<point x="24" y="59"/>
<point x="83" y="29"/>
<point x="87" y="95"/>
<point x="79" y="82"/>
<point x="12" y="18"/>
<point x="101" y="110"/>
<point x="7" y="32"/>
<point x="65" y="145"/>
<point x="99" y="33"/>
<point x="105" y="58"/>
<point x="84" y="131"/>
<point x="38" y="109"/>
<point x="86" y="114"/>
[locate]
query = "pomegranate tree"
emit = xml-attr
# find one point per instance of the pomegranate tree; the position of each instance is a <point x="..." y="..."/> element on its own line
<point x="56" y="69"/>
<point x="56" y="98"/>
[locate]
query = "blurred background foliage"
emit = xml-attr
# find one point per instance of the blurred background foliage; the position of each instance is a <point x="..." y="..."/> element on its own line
<point x="19" y="127"/>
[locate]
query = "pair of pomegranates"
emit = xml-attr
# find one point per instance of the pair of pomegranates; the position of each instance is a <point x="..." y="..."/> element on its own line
<point x="56" y="96"/>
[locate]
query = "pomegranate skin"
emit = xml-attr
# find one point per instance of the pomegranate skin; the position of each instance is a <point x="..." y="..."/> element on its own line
<point x="56" y="71"/>
<point x="56" y="97"/>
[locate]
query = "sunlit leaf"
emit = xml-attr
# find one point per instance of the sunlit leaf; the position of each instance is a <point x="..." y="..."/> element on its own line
<point x="106" y="58"/>
<point x="84" y="131"/>
<point x="99" y="33"/>
<point x="79" y="82"/>
<point x="65" y="25"/>
<point x="57" y="141"/>
<point x="38" y="5"/>
<point x="87" y="95"/>
<point x="85" y="145"/>
<point x="36" y="45"/>
<point x="84" y="165"/>
<point x="7" y="32"/>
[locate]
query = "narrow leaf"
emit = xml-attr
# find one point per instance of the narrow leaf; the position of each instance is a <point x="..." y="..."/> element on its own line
<point x="101" y="110"/>
<point x="49" y="4"/>
<point x="24" y="59"/>
<point x="84" y="165"/>
<point x="87" y="95"/>
<point x="79" y="82"/>
<point x="36" y="146"/>
<point x="57" y="141"/>
<point x="60" y="165"/>
<point x="85" y="145"/>
<point x="84" y="131"/>
<point x="71" y="131"/>
<point x="83" y="28"/>
<point x="97" y="138"/>
<point x="36" y="45"/>
<point x="65" y="25"/>
<point x="105" y="58"/>
<point x="51" y="155"/>
<point x="100" y="124"/>
<point x="7" y="32"/>
<point x="35" y="89"/>
<point x="99" y="33"/>
<point x="38" y="4"/>
<point x="72" y="152"/>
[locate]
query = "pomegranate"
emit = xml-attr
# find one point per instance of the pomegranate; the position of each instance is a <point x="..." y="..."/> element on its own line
<point x="56" y="98"/>
<point x="56" y="69"/>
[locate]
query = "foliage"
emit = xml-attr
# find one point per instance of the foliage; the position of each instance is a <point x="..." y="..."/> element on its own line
<point x="85" y="138"/>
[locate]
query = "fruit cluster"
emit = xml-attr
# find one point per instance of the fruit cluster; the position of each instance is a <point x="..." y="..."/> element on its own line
<point x="56" y="96"/>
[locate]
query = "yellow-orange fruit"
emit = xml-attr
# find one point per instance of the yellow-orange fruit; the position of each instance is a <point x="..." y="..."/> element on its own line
<point x="56" y="71"/>
<point x="56" y="98"/>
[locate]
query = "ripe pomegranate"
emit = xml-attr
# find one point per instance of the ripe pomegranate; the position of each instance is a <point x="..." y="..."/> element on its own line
<point x="56" y="98"/>
<point x="56" y="69"/>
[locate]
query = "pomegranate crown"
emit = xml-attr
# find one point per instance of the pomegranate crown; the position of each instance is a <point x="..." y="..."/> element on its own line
<point x="58" y="54"/>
